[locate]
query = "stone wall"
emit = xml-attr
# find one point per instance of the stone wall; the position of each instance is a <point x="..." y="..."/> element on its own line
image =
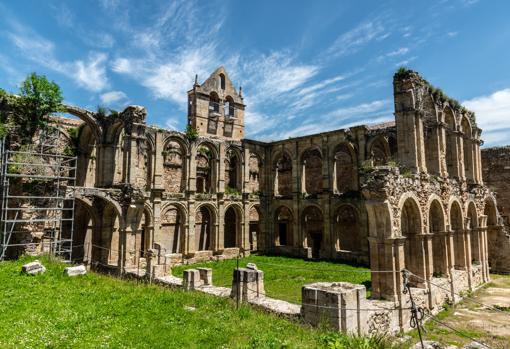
<point x="496" y="175"/>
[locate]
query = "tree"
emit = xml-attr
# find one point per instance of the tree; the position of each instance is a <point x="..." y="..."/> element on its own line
<point x="38" y="99"/>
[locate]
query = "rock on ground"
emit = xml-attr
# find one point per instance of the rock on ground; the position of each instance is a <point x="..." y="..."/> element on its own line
<point x="73" y="271"/>
<point x="33" y="268"/>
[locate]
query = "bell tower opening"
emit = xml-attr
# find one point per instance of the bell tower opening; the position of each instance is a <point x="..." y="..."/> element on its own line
<point x="216" y="108"/>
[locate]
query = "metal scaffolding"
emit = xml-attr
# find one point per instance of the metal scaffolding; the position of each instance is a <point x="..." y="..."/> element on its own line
<point x="37" y="198"/>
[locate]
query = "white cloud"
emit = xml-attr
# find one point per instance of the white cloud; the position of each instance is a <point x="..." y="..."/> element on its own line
<point x="351" y="41"/>
<point x="452" y="34"/>
<point x="89" y="73"/>
<point x="361" y="109"/>
<point x="112" y="97"/>
<point x="493" y="111"/>
<point x="172" y="124"/>
<point x="401" y="51"/>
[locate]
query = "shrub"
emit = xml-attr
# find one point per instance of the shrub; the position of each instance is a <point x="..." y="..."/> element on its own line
<point x="191" y="133"/>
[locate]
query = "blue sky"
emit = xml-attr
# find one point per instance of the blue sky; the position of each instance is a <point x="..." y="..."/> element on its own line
<point x="305" y="66"/>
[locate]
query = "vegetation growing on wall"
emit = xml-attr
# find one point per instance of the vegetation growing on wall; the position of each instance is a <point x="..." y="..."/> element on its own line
<point x="27" y="112"/>
<point x="404" y="73"/>
<point x="191" y="133"/>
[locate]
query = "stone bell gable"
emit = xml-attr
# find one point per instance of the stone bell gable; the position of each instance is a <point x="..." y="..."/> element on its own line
<point x="215" y="108"/>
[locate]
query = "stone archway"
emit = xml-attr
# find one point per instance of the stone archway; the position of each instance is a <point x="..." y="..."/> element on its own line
<point x="313" y="225"/>
<point x="232" y="227"/>
<point x="171" y="235"/>
<point x="205" y="220"/>
<point x="254" y="217"/>
<point x="457" y="226"/>
<point x="437" y="227"/>
<point x="474" y="234"/>
<point x="312" y="171"/>
<point x="347" y="229"/>
<point x="85" y="231"/>
<point x="493" y="231"/>
<point x="411" y="227"/>
<point x="174" y="166"/>
<point x="283" y="220"/>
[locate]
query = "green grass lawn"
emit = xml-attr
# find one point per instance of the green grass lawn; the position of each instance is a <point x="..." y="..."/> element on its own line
<point x="98" y="311"/>
<point x="284" y="276"/>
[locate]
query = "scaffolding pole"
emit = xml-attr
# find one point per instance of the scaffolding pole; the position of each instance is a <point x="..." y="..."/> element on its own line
<point x="37" y="198"/>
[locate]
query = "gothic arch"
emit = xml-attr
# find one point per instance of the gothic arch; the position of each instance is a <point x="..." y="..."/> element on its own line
<point x="411" y="227"/>
<point x="347" y="228"/>
<point x="451" y="152"/>
<point x="233" y="224"/>
<point x="175" y="164"/>
<point x="457" y="226"/>
<point x="205" y="227"/>
<point x="254" y="221"/>
<point x="254" y="171"/>
<point x="283" y="174"/>
<point x="311" y="161"/>
<point x="313" y="228"/>
<point x="172" y="232"/>
<point x="206" y="162"/>
<point x="437" y="227"/>
<point x="283" y="226"/>
<point x="344" y="161"/>
<point x="233" y="168"/>
<point x="379" y="150"/>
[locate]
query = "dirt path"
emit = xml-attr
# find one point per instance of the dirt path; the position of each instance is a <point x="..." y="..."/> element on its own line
<point x="478" y="321"/>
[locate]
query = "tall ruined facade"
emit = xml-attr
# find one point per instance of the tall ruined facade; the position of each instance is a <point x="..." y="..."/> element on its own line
<point x="405" y="194"/>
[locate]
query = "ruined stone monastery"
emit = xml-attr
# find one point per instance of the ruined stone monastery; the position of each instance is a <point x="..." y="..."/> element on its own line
<point x="407" y="194"/>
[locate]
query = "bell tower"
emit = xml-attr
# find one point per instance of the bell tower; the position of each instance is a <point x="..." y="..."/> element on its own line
<point x="215" y="108"/>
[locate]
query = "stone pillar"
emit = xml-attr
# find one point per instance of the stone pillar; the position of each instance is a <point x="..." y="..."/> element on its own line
<point x="218" y="236"/>
<point x="451" y="260"/>
<point x="340" y="304"/>
<point x="467" y="256"/>
<point x="219" y="184"/>
<point x="303" y="178"/>
<point x="482" y="243"/>
<point x="158" y="161"/>
<point x="334" y="184"/>
<point x="460" y="156"/>
<point x="442" y="149"/>
<point x="275" y="188"/>
<point x="247" y="284"/>
<point x="189" y="231"/>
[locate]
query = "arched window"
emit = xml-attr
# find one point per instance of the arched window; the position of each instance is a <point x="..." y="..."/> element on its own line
<point x="458" y="237"/>
<point x="173" y="167"/>
<point x="346" y="171"/>
<point x="312" y="160"/>
<point x="222" y="81"/>
<point x="284" y="176"/>
<point x="232" y="171"/>
<point x="229" y="108"/>
<point x="451" y="146"/>
<point x="206" y="164"/>
<point x="283" y="227"/>
<point x="410" y="224"/>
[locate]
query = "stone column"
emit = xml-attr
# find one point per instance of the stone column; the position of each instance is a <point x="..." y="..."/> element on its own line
<point x="460" y="156"/>
<point x="220" y="170"/>
<point x="451" y="260"/>
<point x="467" y="256"/>
<point x="218" y="237"/>
<point x="189" y="231"/>
<point x="334" y="183"/>
<point x="191" y="166"/>
<point x="441" y="130"/>
<point x="275" y="189"/>
<point x="303" y="178"/>
<point x="158" y="161"/>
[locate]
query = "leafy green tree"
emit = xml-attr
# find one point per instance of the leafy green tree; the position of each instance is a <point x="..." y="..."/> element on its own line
<point x="37" y="100"/>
